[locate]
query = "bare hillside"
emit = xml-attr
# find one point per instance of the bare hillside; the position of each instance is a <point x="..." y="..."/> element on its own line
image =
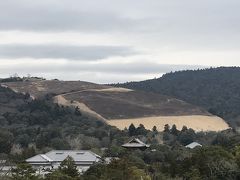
<point x="133" y="104"/>
<point x="120" y="106"/>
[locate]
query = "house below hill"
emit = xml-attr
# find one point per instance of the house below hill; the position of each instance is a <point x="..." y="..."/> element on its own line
<point x="53" y="159"/>
<point x="136" y="144"/>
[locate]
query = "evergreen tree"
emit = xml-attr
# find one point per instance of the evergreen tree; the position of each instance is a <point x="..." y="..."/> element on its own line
<point x="132" y="130"/>
<point x="69" y="168"/>
<point x="174" y="130"/>
<point x="154" y="129"/>
<point x="166" y="128"/>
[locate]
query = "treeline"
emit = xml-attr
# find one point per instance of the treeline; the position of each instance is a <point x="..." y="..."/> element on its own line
<point x="16" y="78"/>
<point x="215" y="89"/>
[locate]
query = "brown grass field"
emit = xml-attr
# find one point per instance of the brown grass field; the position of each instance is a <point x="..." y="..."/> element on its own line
<point x="196" y="122"/>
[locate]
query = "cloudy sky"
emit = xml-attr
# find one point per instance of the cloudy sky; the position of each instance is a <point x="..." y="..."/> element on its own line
<point x="107" y="41"/>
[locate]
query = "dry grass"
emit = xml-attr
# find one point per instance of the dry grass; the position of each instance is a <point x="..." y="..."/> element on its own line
<point x="196" y="122"/>
<point x="84" y="109"/>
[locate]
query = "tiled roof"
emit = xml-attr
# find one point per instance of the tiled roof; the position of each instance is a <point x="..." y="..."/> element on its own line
<point x="135" y="143"/>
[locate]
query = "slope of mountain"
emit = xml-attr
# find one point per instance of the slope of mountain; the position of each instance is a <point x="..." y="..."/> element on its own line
<point x="215" y="89"/>
<point x="120" y="104"/>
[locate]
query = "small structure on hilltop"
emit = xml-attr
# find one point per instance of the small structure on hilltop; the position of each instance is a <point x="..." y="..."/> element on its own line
<point x="53" y="159"/>
<point x="193" y="145"/>
<point x="136" y="144"/>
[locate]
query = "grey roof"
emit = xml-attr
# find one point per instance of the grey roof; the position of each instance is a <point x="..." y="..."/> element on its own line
<point x="60" y="155"/>
<point x="37" y="158"/>
<point x="135" y="143"/>
<point x="193" y="145"/>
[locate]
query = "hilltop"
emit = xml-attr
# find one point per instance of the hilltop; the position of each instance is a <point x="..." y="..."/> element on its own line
<point x="121" y="106"/>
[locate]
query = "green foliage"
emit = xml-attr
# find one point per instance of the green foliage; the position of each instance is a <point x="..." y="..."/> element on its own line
<point x="212" y="163"/>
<point x="57" y="175"/>
<point x="24" y="172"/>
<point x="116" y="170"/>
<point x="6" y="141"/>
<point x="66" y="171"/>
<point x="69" y="167"/>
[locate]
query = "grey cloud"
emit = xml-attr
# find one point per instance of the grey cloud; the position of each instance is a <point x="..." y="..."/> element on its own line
<point x="100" y="73"/>
<point x="120" y="68"/>
<point x="63" y="52"/>
<point x="121" y="15"/>
<point x="185" y="24"/>
<point x="55" y="17"/>
<point x="131" y="68"/>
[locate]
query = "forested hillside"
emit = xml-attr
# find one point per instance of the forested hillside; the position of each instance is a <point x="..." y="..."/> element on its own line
<point x="215" y="89"/>
<point x="30" y="125"/>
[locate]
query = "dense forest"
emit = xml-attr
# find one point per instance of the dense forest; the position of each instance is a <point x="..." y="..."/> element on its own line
<point x="215" y="89"/>
<point x="220" y="160"/>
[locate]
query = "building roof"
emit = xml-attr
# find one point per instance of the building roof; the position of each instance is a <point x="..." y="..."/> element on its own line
<point x="193" y="145"/>
<point x="38" y="158"/>
<point x="135" y="143"/>
<point x="60" y="155"/>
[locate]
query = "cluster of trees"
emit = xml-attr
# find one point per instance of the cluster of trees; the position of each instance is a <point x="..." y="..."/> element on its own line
<point x="215" y="89"/>
<point x="172" y="135"/>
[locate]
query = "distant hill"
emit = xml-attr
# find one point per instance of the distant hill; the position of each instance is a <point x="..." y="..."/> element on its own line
<point x="121" y="106"/>
<point x="215" y="89"/>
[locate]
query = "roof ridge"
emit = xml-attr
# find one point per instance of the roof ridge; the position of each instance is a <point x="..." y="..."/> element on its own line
<point x="44" y="156"/>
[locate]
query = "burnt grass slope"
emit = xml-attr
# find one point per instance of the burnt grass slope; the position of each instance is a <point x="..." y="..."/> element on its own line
<point x="109" y="104"/>
<point x="134" y="104"/>
<point x="215" y="89"/>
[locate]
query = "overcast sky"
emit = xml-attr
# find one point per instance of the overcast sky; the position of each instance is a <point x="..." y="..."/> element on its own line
<point x="108" y="41"/>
